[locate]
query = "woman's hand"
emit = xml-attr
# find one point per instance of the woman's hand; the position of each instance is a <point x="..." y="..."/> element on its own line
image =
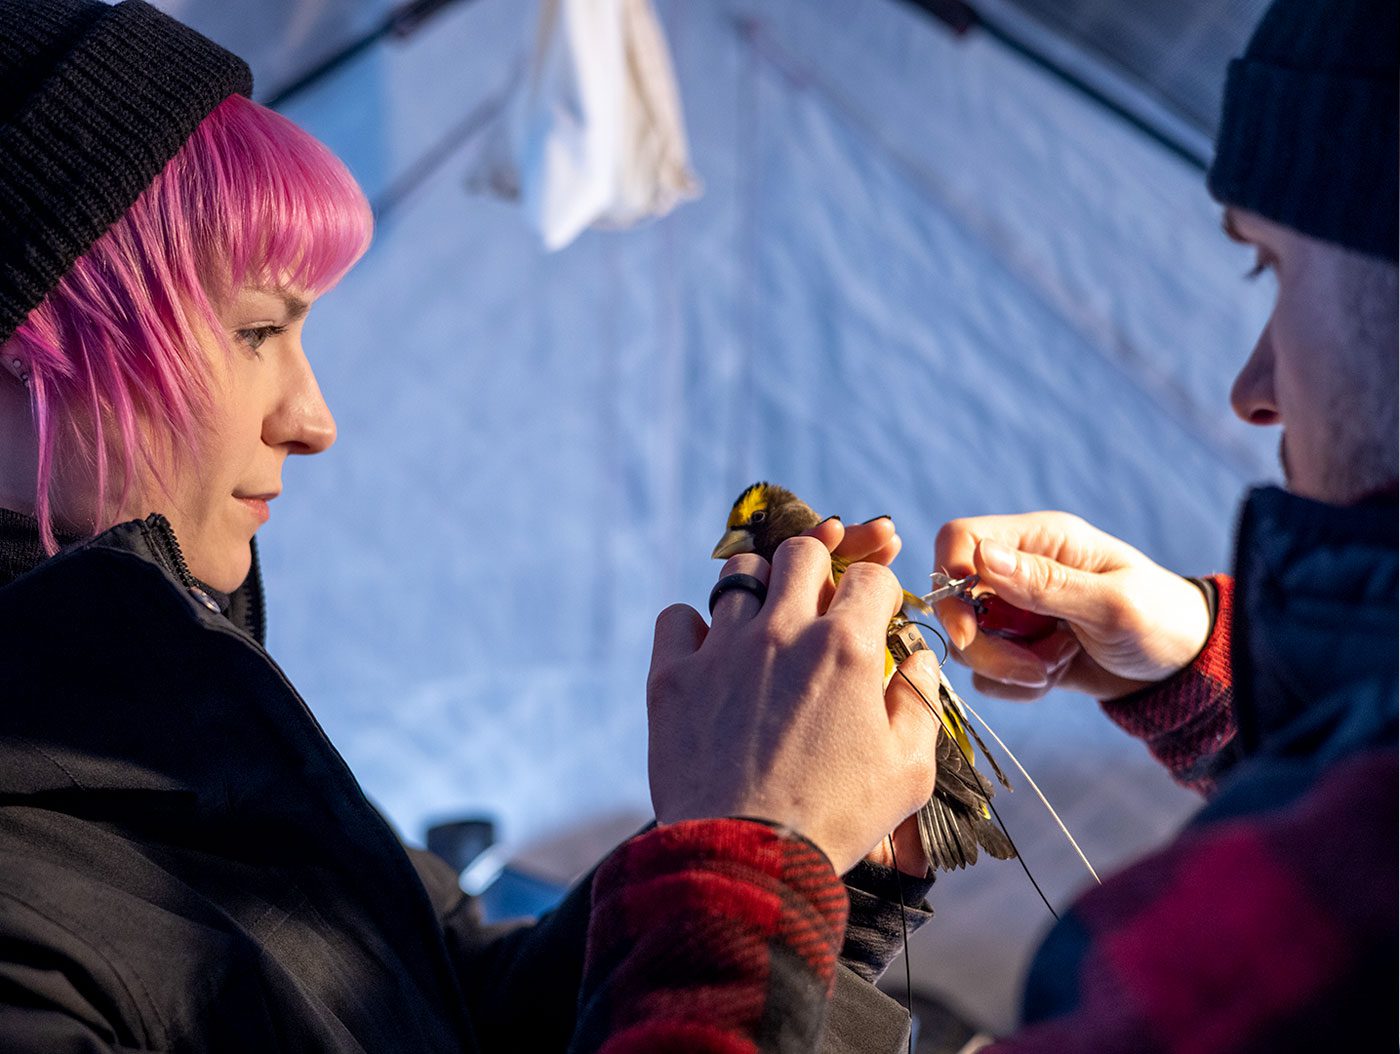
<point x="876" y="541"/>
<point x="779" y="712"/>
<point x="1126" y="621"/>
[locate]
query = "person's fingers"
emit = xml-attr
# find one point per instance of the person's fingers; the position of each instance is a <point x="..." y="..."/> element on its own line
<point x="955" y="546"/>
<point x="1004" y="660"/>
<point x="1060" y="535"/>
<point x="831" y="532"/>
<point x="679" y="632"/>
<point x="908" y="850"/>
<point x="887" y="552"/>
<point x="863" y="541"/>
<point x="959" y="619"/>
<point x="915" y="682"/>
<point x="1043" y="585"/>
<point x="1012" y="692"/>
<point x="912" y="703"/>
<point x="1056" y="650"/>
<point x="735" y="607"/>
<point x="869" y="595"/>
<point x="801" y="572"/>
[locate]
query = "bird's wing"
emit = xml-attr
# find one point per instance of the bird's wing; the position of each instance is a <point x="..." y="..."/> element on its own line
<point x="952" y="701"/>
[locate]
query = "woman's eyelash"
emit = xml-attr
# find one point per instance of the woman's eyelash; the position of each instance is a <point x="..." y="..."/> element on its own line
<point x="255" y="338"/>
<point x="1258" y="269"/>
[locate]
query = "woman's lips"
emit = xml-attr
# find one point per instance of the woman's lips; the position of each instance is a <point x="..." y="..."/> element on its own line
<point x="258" y="507"/>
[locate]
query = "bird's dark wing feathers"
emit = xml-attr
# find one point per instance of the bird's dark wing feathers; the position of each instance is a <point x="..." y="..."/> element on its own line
<point x="956" y="819"/>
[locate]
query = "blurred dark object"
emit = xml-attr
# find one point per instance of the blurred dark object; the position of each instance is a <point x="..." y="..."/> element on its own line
<point x="938" y="1027"/>
<point x="402" y="21"/>
<point x="407" y="18"/>
<point x="957" y="15"/>
<point x="1176" y="50"/>
<point x="460" y="842"/>
<point x="502" y="890"/>
<point x="1157" y="64"/>
<point x="516" y="894"/>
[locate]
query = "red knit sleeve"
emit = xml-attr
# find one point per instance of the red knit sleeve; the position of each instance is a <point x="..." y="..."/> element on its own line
<point x="709" y="936"/>
<point x="1187" y="719"/>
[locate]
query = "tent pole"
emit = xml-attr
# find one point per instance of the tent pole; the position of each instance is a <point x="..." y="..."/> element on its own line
<point x="962" y="17"/>
<point x="403" y="21"/>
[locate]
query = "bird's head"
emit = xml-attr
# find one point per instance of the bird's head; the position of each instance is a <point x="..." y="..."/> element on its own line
<point x="764" y="516"/>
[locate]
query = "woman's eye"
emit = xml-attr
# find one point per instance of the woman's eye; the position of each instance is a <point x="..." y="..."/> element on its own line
<point x="254" y="338"/>
<point x="1261" y="265"/>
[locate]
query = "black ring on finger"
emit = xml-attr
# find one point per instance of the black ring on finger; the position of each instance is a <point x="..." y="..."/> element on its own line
<point x="748" y="583"/>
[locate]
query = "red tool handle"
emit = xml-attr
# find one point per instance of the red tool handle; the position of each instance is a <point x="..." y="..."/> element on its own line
<point x="999" y="618"/>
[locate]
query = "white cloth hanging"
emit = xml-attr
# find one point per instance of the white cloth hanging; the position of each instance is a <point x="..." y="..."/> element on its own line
<point x="594" y="134"/>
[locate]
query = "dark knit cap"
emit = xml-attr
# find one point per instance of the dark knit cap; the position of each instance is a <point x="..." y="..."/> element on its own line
<point x="94" y="101"/>
<point x="1308" y="129"/>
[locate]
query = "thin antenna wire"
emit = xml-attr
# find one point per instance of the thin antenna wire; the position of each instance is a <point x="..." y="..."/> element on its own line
<point x="904" y="925"/>
<point x="988" y="799"/>
<point x="1049" y="808"/>
<point x="941" y="639"/>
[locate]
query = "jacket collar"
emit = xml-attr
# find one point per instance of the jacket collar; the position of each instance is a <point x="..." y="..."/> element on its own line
<point x="1315" y="631"/>
<point x="120" y="674"/>
<point x="153" y="539"/>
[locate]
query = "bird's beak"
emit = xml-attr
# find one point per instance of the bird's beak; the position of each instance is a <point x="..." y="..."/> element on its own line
<point x="732" y="543"/>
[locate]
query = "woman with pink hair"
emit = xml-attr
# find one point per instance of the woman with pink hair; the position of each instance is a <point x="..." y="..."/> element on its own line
<point x="186" y="863"/>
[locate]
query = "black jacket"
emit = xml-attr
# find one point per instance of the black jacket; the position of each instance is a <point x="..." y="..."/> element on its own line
<point x="187" y="864"/>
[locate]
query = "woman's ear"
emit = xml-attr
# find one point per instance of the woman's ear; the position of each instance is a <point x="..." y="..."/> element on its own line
<point x="9" y="355"/>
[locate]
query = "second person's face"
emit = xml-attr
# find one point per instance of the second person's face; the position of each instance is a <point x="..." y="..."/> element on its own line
<point x="1324" y="368"/>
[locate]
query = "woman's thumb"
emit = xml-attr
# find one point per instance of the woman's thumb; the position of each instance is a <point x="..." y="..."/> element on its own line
<point x="1037" y="583"/>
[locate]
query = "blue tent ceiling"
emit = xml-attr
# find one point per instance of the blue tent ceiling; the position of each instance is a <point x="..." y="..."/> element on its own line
<point x="1174" y="51"/>
<point x="1164" y="57"/>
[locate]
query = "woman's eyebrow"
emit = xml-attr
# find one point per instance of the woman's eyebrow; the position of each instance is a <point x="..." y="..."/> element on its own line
<point x="296" y="307"/>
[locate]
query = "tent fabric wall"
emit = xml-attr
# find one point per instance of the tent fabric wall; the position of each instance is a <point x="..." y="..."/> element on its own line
<point x="924" y="280"/>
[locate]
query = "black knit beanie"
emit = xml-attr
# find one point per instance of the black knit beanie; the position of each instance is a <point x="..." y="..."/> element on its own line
<point x="1308" y="130"/>
<point x="94" y="101"/>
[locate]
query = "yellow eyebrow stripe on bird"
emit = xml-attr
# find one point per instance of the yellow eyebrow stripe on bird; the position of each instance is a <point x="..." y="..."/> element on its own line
<point x="749" y="502"/>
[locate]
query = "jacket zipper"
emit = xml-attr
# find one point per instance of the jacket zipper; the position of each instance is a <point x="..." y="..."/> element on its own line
<point x="167" y="549"/>
<point x="258" y="615"/>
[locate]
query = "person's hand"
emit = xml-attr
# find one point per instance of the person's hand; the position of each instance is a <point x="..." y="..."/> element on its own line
<point x="876" y="541"/>
<point x="873" y="542"/>
<point x="778" y="711"/>
<point x="1126" y="621"/>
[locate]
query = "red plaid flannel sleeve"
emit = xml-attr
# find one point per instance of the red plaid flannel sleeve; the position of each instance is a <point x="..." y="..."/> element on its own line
<point x="1188" y="718"/>
<point x="710" y="936"/>
<point x="1267" y="932"/>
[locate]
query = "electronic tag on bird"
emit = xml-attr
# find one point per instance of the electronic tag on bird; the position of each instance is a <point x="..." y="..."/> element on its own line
<point x="904" y="639"/>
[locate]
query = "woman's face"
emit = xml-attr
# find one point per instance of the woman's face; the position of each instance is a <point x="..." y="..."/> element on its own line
<point x="267" y="405"/>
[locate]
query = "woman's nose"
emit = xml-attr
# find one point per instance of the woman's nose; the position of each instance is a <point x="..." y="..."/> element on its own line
<point x="1252" y="395"/>
<point x="301" y="421"/>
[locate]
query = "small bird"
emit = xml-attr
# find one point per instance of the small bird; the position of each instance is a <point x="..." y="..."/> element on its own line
<point x="957" y="819"/>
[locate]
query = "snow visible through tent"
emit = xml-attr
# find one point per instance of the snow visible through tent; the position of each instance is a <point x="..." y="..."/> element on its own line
<point x="924" y="280"/>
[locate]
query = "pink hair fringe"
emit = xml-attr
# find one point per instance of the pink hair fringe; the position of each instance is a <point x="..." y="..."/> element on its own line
<point x="116" y="352"/>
